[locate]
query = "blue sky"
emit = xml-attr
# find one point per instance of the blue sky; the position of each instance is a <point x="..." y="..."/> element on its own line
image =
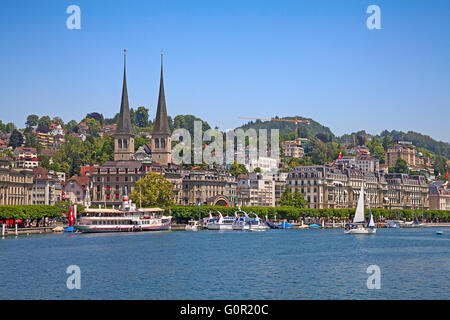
<point x="225" y="59"/>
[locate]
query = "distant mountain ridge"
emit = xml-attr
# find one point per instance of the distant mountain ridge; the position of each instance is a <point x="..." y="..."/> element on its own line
<point x="287" y="131"/>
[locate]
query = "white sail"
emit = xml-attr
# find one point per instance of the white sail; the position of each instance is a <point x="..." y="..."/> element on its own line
<point x="359" y="214"/>
<point x="371" y="222"/>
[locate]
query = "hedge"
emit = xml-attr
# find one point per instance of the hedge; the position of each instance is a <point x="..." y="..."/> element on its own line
<point x="23" y="212"/>
<point x="184" y="213"/>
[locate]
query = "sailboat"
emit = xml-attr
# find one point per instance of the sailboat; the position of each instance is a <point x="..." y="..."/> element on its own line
<point x="359" y="223"/>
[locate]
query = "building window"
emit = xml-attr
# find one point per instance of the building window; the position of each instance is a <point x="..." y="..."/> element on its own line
<point x="163" y="143"/>
<point x="157" y="143"/>
<point x="125" y="144"/>
<point x="119" y="142"/>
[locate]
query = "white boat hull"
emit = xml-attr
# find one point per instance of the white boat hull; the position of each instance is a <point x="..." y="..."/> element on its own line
<point x="259" y="228"/>
<point x="218" y="226"/>
<point x="361" y="230"/>
<point x="115" y="228"/>
<point x="240" y="227"/>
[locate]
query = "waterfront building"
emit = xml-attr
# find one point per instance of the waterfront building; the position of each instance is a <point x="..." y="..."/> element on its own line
<point x="279" y="179"/>
<point x="77" y="190"/>
<point x="325" y="187"/>
<point x="407" y="192"/>
<point x="256" y="189"/>
<point x="47" y="188"/>
<point x="26" y="158"/>
<point x="439" y="195"/>
<point x="16" y="184"/>
<point x="208" y="188"/>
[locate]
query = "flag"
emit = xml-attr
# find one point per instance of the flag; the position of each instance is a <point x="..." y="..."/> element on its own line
<point x="226" y="205"/>
<point x="446" y="177"/>
<point x="340" y="155"/>
<point x="71" y="217"/>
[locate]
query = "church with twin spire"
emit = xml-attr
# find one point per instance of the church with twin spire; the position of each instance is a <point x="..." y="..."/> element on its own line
<point x="114" y="179"/>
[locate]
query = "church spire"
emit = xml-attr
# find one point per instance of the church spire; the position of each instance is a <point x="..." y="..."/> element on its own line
<point x="161" y="123"/>
<point x="124" y="125"/>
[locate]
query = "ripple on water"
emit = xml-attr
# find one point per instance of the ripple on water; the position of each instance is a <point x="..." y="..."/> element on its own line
<point x="278" y="264"/>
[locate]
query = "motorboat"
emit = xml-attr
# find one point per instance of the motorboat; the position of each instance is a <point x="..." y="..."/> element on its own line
<point x="220" y="222"/>
<point x="193" y="225"/>
<point x="247" y="223"/>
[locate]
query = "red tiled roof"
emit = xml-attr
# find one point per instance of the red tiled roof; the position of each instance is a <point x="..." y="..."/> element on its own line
<point x="23" y="149"/>
<point x="88" y="170"/>
<point x="82" y="181"/>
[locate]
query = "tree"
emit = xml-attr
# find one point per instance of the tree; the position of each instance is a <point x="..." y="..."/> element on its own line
<point x="31" y="141"/>
<point x="238" y="168"/>
<point x="154" y="190"/>
<point x="286" y="198"/>
<point x="94" y="126"/>
<point x="45" y="121"/>
<point x="32" y="121"/>
<point x="16" y="139"/>
<point x="142" y="117"/>
<point x="69" y="127"/>
<point x="387" y="142"/>
<point x="97" y="116"/>
<point x="440" y="165"/>
<point x="297" y="199"/>
<point x="322" y="137"/>
<point x="58" y="120"/>
<point x="320" y="152"/>
<point x="401" y="166"/>
<point x="138" y="142"/>
<point x="257" y="169"/>
<point x="361" y="140"/>
<point x="10" y="127"/>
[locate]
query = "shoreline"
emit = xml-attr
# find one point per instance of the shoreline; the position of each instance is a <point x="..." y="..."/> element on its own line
<point x="181" y="227"/>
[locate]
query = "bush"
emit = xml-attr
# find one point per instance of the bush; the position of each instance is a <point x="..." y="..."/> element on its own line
<point x="23" y="212"/>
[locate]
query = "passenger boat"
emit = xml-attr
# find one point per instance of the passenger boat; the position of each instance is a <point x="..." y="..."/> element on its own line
<point x="220" y="222"/>
<point x="248" y="223"/>
<point x="125" y="219"/>
<point x="358" y="226"/>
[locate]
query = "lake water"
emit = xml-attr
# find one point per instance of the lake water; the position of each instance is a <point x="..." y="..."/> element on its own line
<point x="277" y="264"/>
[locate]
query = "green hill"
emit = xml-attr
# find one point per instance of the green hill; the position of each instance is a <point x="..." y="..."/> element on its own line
<point x="287" y="129"/>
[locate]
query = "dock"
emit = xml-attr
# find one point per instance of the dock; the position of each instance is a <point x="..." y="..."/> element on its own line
<point x="27" y="231"/>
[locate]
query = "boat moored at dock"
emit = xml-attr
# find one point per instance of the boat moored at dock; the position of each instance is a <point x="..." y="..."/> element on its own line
<point x="220" y="222"/>
<point x="125" y="219"/>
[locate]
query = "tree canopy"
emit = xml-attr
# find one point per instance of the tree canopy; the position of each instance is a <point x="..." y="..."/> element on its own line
<point x="153" y="190"/>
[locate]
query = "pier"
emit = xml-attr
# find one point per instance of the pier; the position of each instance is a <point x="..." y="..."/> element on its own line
<point x="26" y="231"/>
